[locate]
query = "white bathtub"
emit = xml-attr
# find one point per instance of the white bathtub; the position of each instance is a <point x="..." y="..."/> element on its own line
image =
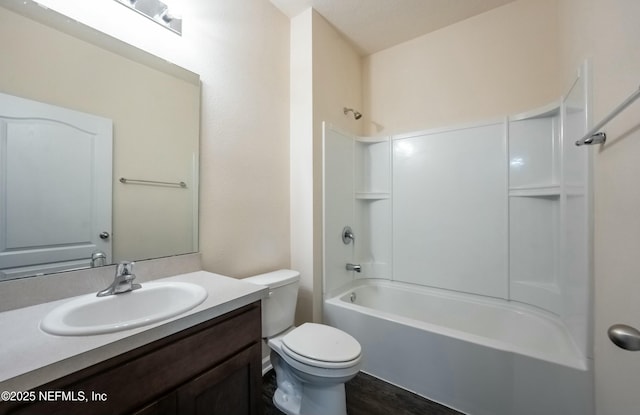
<point x="478" y="355"/>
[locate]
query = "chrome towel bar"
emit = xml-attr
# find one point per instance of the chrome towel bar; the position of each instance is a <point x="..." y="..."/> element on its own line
<point x="152" y="182"/>
<point x="595" y="136"/>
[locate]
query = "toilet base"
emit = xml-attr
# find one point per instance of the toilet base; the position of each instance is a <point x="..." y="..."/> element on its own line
<point x="319" y="402"/>
<point x="294" y="397"/>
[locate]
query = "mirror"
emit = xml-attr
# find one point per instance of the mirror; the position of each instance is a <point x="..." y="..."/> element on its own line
<point x="154" y="108"/>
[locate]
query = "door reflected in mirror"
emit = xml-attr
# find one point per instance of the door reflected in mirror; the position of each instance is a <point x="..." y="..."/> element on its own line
<point x="56" y="191"/>
<point x="155" y="124"/>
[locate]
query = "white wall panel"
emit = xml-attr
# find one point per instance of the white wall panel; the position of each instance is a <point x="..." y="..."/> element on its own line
<point x="338" y="207"/>
<point x="533" y="157"/>
<point x="450" y="210"/>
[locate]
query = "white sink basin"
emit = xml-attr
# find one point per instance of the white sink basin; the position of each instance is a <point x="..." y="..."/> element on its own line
<point x="155" y="301"/>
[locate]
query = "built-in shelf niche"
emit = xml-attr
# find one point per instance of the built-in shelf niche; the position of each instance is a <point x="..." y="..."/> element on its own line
<point x="372" y="209"/>
<point x="372" y="168"/>
<point x="534" y="151"/>
<point x="534" y="246"/>
<point x="372" y="195"/>
<point x="535" y="208"/>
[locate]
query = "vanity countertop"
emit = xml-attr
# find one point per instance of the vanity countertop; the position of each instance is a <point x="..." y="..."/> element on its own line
<point x="30" y="357"/>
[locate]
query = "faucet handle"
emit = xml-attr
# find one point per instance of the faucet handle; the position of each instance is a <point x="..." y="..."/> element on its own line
<point x="96" y="257"/>
<point x="347" y="235"/>
<point x="125" y="268"/>
<point x="123" y="281"/>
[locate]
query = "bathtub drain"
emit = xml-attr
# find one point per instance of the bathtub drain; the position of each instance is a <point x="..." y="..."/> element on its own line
<point x="352" y="297"/>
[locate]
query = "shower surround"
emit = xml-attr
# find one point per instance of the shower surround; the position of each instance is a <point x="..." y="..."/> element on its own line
<point x="495" y="214"/>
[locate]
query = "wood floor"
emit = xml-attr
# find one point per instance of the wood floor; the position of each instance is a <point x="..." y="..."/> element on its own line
<point x="367" y="395"/>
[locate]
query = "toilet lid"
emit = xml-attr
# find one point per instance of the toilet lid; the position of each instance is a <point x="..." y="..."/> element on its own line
<point x="322" y="343"/>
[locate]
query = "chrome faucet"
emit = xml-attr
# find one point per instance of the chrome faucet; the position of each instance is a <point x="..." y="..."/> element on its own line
<point x="354" y="267"/>
<point x="123" y="281"/>
<point x="98" y="256"/>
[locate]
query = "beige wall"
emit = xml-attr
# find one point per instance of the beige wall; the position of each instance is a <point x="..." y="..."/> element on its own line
<point x="337" y="83"/>
<point x="243" y="61"/>
<point x="501" y="62"/>
<point x="301" y="161"/>
<point x="155" y="127"/>
<point x="337" y="79"/>
<point x="326" y="76"/>
<point x="608" y="34"/>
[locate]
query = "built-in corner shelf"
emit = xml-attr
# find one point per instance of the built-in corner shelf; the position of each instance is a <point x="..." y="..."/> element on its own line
<point x="371" y="140"/>
<point x="552" y="190"/>
<point x="548" y="111"/>
<point x="372" y="195"/>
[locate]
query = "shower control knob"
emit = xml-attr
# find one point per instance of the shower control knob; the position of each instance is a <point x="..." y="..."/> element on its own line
<point x="347" y="235"/>
<point x="104" y="235"/>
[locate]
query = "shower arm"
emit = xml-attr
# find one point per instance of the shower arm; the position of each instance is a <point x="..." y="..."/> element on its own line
<point x="356" y="114"/>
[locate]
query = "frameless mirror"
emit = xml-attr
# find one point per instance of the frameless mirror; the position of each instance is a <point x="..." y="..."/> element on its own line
<point x="153" y="108"/>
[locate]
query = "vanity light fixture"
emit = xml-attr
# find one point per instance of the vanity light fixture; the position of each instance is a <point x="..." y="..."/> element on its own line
<point x="157" y="11"/>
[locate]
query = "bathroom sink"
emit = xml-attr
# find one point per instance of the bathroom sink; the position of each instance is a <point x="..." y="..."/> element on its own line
<point x="155" y="301"/>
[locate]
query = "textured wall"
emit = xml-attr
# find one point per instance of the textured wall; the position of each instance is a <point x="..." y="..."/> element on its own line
<point x="500" y="62"/>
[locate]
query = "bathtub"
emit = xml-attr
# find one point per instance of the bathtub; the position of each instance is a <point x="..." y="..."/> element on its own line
<point x="478" y="355"/>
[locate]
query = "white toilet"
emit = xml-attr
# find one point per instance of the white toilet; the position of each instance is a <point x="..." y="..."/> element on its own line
<point x="313" y="361"/>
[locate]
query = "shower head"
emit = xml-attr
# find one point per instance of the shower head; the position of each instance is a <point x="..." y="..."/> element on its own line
<point x="356" y="114"/>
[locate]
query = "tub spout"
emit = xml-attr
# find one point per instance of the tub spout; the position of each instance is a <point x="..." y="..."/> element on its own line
<point x="354" y="267"/>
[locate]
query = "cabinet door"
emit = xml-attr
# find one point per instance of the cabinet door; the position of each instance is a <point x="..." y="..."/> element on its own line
<point x="231" y="388"/>
<point x="163" y="406"/>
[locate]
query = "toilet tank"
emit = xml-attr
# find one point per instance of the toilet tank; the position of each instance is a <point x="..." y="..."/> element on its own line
<point x="278" y="309"/>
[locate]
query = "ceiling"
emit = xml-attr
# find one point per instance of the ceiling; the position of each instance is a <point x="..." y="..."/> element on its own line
<point x="374" y="25"/>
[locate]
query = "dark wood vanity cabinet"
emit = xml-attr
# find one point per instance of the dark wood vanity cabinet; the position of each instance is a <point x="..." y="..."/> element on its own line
<point x="212" y="368"/>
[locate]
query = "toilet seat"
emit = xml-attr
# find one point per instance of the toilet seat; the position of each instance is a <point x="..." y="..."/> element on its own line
<point x="321" y="346"/>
